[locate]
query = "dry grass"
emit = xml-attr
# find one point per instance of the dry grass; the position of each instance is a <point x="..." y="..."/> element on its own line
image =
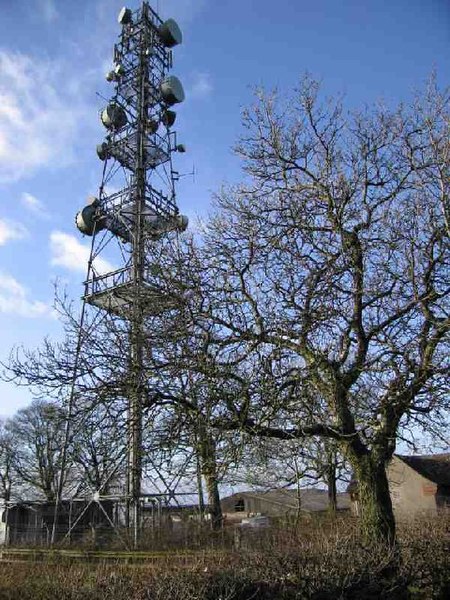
<point x="321" y="561"/>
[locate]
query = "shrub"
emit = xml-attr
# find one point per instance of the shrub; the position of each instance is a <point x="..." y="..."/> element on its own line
<point x="320" y="561"/>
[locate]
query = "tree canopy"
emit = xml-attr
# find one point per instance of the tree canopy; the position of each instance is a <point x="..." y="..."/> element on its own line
<point x="316" y="299"/>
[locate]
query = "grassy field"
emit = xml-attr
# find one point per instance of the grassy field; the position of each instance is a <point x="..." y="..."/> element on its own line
<point x="317" y="561"/>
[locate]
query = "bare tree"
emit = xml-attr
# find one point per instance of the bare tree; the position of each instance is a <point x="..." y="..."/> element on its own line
<point x="95" y="385"/>
<point x="37" y="436"/>
<point x="328" y="281"/>
<point x="174" y="426"/>
<point x="97" y="454"/>
<point x="317" y="302"/>
<point x="7" y="475"/>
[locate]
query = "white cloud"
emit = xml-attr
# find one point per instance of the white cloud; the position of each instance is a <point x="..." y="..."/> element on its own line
<point x="48" y="10"/>
<point x="33" y="204"/>
<point x="184" y="11"/>
<point x="68" y="252"/>
<point x="11" y="230"/>
<point x="14" y="300"/>
<point x="39" y="118"/>
<point x="201" y="86"/>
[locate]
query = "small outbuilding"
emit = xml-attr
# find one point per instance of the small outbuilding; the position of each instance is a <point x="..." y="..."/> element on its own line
<point x="31" y="523"/>
<point x="417" y="484"/>
<point x="279" y="503"/>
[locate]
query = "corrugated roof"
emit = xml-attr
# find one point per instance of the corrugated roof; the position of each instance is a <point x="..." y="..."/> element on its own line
<point x="434" y="467"/>
<point x="312" y="500"/>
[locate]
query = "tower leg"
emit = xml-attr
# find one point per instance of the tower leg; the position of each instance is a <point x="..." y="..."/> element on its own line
<point x="135" y="437"/>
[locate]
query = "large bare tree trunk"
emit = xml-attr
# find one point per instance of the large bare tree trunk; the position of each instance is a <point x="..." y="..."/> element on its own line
<point x="209" y="470"/>
<point x="215" y="509"/>
<point x="331" y="483"/>
<point x="376" y="514"/>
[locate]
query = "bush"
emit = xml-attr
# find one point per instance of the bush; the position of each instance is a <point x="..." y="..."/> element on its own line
<point x="320" y="561"/>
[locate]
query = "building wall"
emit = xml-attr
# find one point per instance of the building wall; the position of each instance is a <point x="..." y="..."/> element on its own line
<point x="280" y="503"/>
<point x="411" y="493"/>
<point x="252" y="505"/>
<point x="264" y="507"/>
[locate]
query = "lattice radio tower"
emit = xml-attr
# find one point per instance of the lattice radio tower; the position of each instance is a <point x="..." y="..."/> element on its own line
<point x="137" y="153"/>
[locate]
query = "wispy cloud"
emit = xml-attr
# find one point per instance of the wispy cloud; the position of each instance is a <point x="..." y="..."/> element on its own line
<point x="201" y="86"/>
<point x="14" y="299"/>
<point x="33" y="204"/>
<point x="39" y="119"/>
<point x="11" y="230"/>
<point x="183" y="10"/>
<point x="48" y="10"/>
<point x="68" y="252"/>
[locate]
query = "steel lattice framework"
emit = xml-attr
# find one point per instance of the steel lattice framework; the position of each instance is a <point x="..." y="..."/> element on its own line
<point x="138" y="153"/>
<point x="136" y="205"/>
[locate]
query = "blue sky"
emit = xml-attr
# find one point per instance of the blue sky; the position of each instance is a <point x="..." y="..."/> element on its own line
<point x="53" y="57"/>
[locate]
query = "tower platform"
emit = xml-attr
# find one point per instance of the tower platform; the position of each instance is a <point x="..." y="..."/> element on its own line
<point x="116" y="293"/>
